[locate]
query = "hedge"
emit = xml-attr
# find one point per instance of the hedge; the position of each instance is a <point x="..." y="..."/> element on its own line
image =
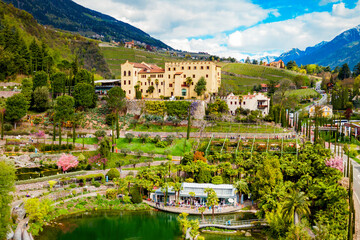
<point x="49" y="178"/>
<point x="91" y="177"/>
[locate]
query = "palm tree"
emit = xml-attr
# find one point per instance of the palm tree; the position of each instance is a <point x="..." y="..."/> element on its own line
<point x="150" y="90"/>
<point x="192" y="195"/>
<point x="177" y="188"/>
<point x="241" y="187"/>
<point x="296" y="205"/>
<point x="212" y="199"/>
<point x="188" y="83"/>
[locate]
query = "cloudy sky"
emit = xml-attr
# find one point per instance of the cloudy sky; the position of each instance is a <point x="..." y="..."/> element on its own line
<point x="236" y="28"/>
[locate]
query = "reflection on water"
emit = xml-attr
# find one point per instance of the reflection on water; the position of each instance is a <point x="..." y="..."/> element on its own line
<point x="141" y="225"/>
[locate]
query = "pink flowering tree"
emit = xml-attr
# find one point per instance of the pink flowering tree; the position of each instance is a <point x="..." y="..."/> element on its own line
<point x="67" y="161"/>
<point x="335" y="162"/>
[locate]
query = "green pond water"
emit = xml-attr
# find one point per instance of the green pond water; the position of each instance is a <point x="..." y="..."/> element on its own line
<point x="140" y="225"/>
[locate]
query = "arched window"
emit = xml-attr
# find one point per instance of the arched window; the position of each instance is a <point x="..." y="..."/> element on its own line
<point x="124" y="73"/>
<point x="129" y="73"/>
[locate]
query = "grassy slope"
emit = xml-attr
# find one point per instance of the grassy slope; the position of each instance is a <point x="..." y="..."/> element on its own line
<point x="115" y="56"/>
<point x="257" y="74"/>
<point x="304" y="93"/>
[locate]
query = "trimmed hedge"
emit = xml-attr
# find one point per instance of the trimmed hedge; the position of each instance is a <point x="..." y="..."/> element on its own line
<point x="90" y="177"/>
<point x="49" y="178"/>
<point x="56" y="147"/>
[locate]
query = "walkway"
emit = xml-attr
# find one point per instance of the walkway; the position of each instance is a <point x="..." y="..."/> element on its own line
<point x="243" y="224"/>
<point x="190" y="211"/>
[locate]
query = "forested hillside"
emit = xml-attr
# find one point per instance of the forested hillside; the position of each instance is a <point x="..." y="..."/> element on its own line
<point x="70" y="16"/>
<point x="27" y="47"/>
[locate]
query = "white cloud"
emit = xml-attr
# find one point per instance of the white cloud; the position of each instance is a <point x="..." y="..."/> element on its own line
<point x="208" y="25"/>
<point x="300" y="32"/>
<point x="166" y="19"/>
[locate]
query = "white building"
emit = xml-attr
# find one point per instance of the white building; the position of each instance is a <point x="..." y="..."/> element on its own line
<point x="256" y="101"/>
<point x="225" y="192"/>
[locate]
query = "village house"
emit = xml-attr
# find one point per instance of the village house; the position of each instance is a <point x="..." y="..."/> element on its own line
<point x="327" y="110"/>
<point x="130" y="44"/>
<point x="170" y="81"/>
<point x="256" y="101"/>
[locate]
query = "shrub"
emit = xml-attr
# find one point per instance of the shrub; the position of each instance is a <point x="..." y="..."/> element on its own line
<point x="31" y="148"/>
<point x="96" y="184"/>
<point x="169" y="157"/>
<point x="135" y="195"/>
<point x="125" y="151"/>
<point x="100" y="133"/>
<point x="111" y="193"/>
<point x="8" y="148"/>
<point x="8" y="127"/>
<point x="17" y="148"/>
<point x="161" y="144"/>
<point x="90" y="177"/>
<point x="113" y="173"/>
<point x="73" y="185"/>
<point x="156" y="139"/>
<point x="217" y="180"/>
<point x="129" y="137"/>
<point x="169" y="139"/>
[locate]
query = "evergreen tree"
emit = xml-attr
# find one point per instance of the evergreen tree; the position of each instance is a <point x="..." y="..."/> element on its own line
<point x="40" y="80"/>
<point x="344" y="72"/>
<point x="356" y="71"/>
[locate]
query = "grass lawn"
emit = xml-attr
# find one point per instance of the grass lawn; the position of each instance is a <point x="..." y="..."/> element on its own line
<point x="89" y="141"/>
<point x="158" y="128"/>
<point x="115" y="157"/>
<point x="243" y="128"/>
<point x="176" y="149"/>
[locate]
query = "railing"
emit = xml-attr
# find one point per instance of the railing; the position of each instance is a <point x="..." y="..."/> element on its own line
<point x="233" y="222"/>
<point x="262" y="106"/>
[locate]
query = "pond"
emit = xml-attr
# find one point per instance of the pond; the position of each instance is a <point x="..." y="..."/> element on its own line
<point x="111" y="225"/>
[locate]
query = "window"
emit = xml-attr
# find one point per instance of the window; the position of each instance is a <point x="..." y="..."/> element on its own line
<point x="169" y="69"/>
<point x="174" y="69"/>
<point x="169" y="76"/>
<point x="172" y="94"/>
<point x="207" y="67"/>
<point x="194" y="67"/>
<point x="235" y="103"/>
<point x="143" y="76"/>
<point x="159" y="90"/>
<point x="129" y="91"/>
<point x="184" y="75"/>
<point x="162" y="83"/>
<point x="230" y="103"/>
<point x="129" y="82"/>
<point x="141" y="84"/>
<point x="202" y="68"/>
<point x="207" y="75"/>
<point x="145" y="83"/>
<point x="194" y="76"/>
<point x="125" y="73"/>
<point x="170" y="85"/>
<point x="182" y="68"/>
<point x="153" y="76"/>
<point x="152" y="84"/>
<point x="189" y="67"/>
<point x="129" y="73"/>
<point x="160" y="76"/>
<point x="124" y="82"/>
<point x="244" y="103"/>
<point x="183" y="92"/>
<point x="135" y="73"/>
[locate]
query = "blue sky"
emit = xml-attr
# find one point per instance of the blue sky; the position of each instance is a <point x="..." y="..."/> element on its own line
<point x="236" y="28"/>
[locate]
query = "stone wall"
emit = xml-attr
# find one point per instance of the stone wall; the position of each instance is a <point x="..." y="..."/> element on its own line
<point x="136" y="107"/>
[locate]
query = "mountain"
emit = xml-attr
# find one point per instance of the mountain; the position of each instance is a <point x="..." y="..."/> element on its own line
<point x="25" y="45"/>
<point x="70" y="16"/>
<point x="344" y="48"/>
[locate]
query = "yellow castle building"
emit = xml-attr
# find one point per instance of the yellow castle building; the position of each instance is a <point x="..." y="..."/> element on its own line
<point x="171" y="81"/>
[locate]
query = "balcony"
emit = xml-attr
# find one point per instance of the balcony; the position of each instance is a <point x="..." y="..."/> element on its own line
<point x="262" y="106"/>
